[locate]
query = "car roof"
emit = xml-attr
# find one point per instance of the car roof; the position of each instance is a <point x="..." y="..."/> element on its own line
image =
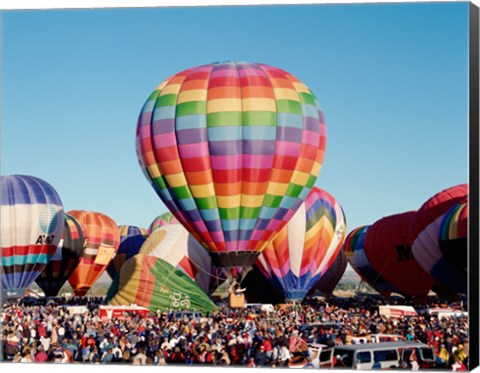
<point x="381" y="345"/>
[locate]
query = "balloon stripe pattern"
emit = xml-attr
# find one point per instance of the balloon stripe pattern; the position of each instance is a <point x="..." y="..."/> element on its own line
<point x="424" y="232"/>
<point x="304" y="248"/>
<point x="131" y="240"/>
<point x="455" y="223"/>
<point x="102" y="243"/>
<point x="161" y="221"/>
<point x="354" y="248"/>
<point x="66" y="257"/>
<point x="232" y="149"/>
<point x="31" y="227"/>
<point x="453" y="236"/>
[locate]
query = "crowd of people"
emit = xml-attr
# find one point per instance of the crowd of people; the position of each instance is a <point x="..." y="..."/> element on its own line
<point x="229" y="337"/>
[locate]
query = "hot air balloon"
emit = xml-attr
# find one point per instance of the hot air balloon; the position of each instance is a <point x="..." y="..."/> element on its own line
<point x="66" y="257"/>
<point x="354" y="248"/>
<point x="102" y="243"/>
<point x="131" y="240"/>
<point x="31" y="227"/>
<point x="453" y="234"/>
<point x="151" y="282"/>
<point x="332" y="276"/>
<point x="232" y="149"/>
<point x="389" y="250"/>
<point x="295" y="260"/>
<point x="179" y="248"/>
<point x="424" y="233"/>
<point x="162" y="220"/>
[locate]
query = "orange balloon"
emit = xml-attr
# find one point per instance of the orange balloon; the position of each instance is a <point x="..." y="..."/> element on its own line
<point x="103" y="238"/>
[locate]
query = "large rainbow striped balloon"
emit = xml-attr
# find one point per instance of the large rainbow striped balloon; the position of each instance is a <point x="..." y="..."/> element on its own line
<point x="31" y="228"/>
<point x="232" y="149"/>
<point x="304" y="248"/>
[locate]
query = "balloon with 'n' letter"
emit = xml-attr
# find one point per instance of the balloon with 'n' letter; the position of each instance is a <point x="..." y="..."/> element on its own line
<point x="31" y="223"/>
<point x="389" y="250"/>
<point x="232" y="149"/>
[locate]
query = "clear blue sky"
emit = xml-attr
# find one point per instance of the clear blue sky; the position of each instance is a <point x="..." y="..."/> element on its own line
<point x="392" y="80"/>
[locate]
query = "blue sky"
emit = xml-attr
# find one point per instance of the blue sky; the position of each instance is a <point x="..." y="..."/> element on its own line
<point x="392" y="80"/>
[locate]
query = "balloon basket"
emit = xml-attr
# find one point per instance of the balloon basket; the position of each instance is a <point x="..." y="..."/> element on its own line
<point x="237" y="300"/>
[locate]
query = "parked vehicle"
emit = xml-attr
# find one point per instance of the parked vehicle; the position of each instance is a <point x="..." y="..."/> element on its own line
<point x="121" y="312"/>
<point x="321" y="356"/>
<point x="382" y="355"/>
<point x="189" y="315"/>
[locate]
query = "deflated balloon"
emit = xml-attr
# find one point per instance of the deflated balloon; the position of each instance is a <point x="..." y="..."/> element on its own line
<point x="151" y="282"/>
<point x="131" y="240"/>
<point x="162" y="220"/>
<point x="102" y="243"/>
<point x="389" y="250"/>
<point x="66" y="257"/>
<point x="179" y="248"/>
<point x="354" y="248"/>
<point x="303" y="249"/>
<point x="424" y="232"/>
<point x="31" y="227"/>
<point x="232" y="149"/>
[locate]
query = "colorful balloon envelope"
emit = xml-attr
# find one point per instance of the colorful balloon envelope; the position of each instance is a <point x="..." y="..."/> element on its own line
<point x="425" y="230"/>
<point x="102" y="243"/>
<point x="179" y="248"/>
<point x="334" y="273"/>
<point x="354" y="248"/>
<point x="131" y="240"/>
<point x="232" y="149"/>
<point x="66" y="257"/>
<point x="162" y="220"/>
<point x="453" y="236"/>
<point x="151" y="282"/>
<point x="389" y="250"/>
<point x="301" y="252"/>
<point x="31" y="228"/>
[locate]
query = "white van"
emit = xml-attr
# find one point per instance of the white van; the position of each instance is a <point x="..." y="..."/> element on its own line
<point x="382" y="355"/>
<point x="264" y="307"/>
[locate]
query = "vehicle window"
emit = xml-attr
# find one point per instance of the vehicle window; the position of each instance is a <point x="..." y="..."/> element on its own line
<point x="344" y="358"/>
<point x="364" y="357"/>
<point x="385" y="355"/>
<point x="325" y="355"/>
<point x="426" y="354"/>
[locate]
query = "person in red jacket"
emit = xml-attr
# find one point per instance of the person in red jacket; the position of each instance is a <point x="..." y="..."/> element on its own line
<point x="41" y="355"/>
<point x="177" y="357"/>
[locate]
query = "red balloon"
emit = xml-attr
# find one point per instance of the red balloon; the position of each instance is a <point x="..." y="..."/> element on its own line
<point x="389" y="250"/>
